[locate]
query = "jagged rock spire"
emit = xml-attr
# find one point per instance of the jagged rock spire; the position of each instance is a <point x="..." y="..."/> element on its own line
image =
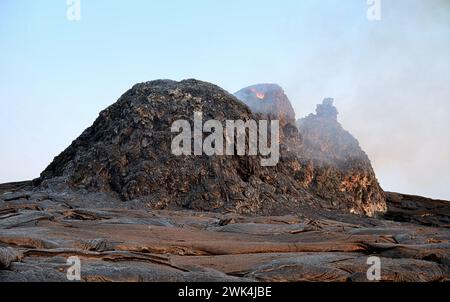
<point x="327" y="109"/>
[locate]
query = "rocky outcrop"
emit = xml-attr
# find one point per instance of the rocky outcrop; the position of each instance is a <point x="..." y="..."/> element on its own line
<point x="127" y="153"/>
<point x="269" y="100"/>
<point x="331" y="164"/>
<point x="417" y="209"/>
<point x="73" y="209"/>
<point x="338" y="169"/>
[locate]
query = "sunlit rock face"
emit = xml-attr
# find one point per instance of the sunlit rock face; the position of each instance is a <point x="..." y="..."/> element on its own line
<point x="338" y="169"/>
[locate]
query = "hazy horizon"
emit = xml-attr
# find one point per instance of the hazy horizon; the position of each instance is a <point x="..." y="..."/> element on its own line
<point x="390" y="78"/>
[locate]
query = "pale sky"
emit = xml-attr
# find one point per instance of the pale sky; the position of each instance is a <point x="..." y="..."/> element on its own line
<point x="390" y="78"/>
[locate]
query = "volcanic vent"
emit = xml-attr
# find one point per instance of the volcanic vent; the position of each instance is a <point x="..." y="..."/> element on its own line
<point x="127" y="155"/>
<point x="332" y="166"/>
<point x="270" y="100"/>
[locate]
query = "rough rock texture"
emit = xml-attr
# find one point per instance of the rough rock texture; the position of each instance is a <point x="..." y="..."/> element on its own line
<point x="331" y="164"/>
<point x="115" y="243"/>
<point x="8" y="255"/>
<point x="75" y="208"/>
<point x="418" y="209"/>
<point x="338" y="169"/>
<point x="269" y="100"/>
<point x="127" y="153"/>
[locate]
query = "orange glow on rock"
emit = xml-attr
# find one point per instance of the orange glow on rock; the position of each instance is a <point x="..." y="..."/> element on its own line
<point x="260" y="95"/>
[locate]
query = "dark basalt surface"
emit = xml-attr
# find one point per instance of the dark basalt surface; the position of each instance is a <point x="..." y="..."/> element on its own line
<point x="127" y="154"/>
<point x="131" y="211"/>
<point x="417" y="209"/>
<point x="39" y="232"/>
